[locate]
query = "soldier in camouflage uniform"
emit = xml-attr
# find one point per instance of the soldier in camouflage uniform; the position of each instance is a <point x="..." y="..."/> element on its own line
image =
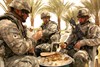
<point x="47" y="35"/>
<point x="90" y="41"/>
<point x="15" y="47"/>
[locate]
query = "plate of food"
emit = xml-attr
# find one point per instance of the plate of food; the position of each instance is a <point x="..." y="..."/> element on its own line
<point x="54" y="59"/>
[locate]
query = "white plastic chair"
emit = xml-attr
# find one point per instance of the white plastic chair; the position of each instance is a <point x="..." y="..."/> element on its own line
<point x="1" y="62"/>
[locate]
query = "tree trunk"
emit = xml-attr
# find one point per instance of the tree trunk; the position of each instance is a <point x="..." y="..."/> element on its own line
<point x="32" y="21"/>
<point x="97" y="19"/>
<point x="58" y="23"/>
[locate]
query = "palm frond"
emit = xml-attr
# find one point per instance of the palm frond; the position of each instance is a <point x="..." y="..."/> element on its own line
<point x="72" y="13"/>
<point x="36" y="7"/>
<point x="55" y="6"/>
<point x="7" y="2"/>
<point x="4" y="8"/>
<point x="87" y="5"/>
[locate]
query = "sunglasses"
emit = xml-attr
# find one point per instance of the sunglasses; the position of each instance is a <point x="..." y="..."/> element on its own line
<point x="25" y="11"/>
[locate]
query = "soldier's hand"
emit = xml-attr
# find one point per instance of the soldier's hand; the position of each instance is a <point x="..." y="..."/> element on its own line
<point x="37" y="35"/>
<point x="31" y="50"/>
<point x="77" y="46"/>
<point x="63" y="45"/>
<point x="39" y="29"/>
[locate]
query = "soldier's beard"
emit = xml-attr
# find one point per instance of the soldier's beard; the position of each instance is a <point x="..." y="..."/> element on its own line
<point x="23" y="20"/>
<point x="83" y="22"/>
<point x="22" y="17"/>
<point x="45" y="22"/>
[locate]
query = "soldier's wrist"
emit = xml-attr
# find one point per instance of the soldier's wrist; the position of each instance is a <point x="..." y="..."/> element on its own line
<point x="65" y="43"/>
<point x="31" y="43"/>
<point x="82" y="42"/>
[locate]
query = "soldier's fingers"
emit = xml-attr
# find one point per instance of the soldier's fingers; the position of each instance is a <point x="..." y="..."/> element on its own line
<point x="77" y="46"/>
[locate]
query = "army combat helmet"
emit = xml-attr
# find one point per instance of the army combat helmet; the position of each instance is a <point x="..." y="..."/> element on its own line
<point x="83" y="13"/>
<point x="20" y="5"/>
<point x="45" y="14"/>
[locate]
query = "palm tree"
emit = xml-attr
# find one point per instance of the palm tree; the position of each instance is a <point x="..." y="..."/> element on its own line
<point x="6" y="3"/>
<point x="59" y="8"/>
<point x="36" y="7"/>
<point x="94" y="8"/>
<point x="4" y="8"/>
<point x="71" y="13"/>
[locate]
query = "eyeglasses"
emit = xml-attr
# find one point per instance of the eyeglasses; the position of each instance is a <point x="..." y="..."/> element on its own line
<point x="24" y="11"/>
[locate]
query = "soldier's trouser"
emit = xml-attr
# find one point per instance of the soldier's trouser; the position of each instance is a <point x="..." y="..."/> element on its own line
<point x="45" y="47"/>
<point x="22" y="61"/>
<point x="1" y="62"/>
<point x="81" y="58"/>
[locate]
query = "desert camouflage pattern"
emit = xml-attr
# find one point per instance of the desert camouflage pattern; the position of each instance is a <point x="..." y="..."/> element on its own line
<point x="20" y="4"/>
<point x="91" y="39"/>
<point x="45" y="14"/>
<point x="50" y="32"/>
<point x="83" y="12"/>
<point x="22" y="61"/>
<point x="81" y="59"/>
<point x="50" y="35"/>
<point x="14" y="42"/>
<point x="92" y="34"/>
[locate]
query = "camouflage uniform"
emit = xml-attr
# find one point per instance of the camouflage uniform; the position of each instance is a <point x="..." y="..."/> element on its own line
<point x="50" y="35"/>
<point x="13" y="41"/>
<point x="91" y="40"/>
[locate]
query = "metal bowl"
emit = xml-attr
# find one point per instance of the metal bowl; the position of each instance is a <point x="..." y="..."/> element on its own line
<point x="67" y="65"/>
<point x="59" y="63"/>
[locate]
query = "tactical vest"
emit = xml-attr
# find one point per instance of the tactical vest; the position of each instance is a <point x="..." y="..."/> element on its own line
<point x="7" y="51"/>
<point x="47" y="39"/>
<point x="14" y="20"/>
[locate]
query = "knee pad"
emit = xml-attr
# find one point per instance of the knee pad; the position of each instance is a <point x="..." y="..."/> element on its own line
<point x="81" y="58"/>
<point x="38" y="51"/>
<point x="81" y="54"/>
<point x="23" y="61"/>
